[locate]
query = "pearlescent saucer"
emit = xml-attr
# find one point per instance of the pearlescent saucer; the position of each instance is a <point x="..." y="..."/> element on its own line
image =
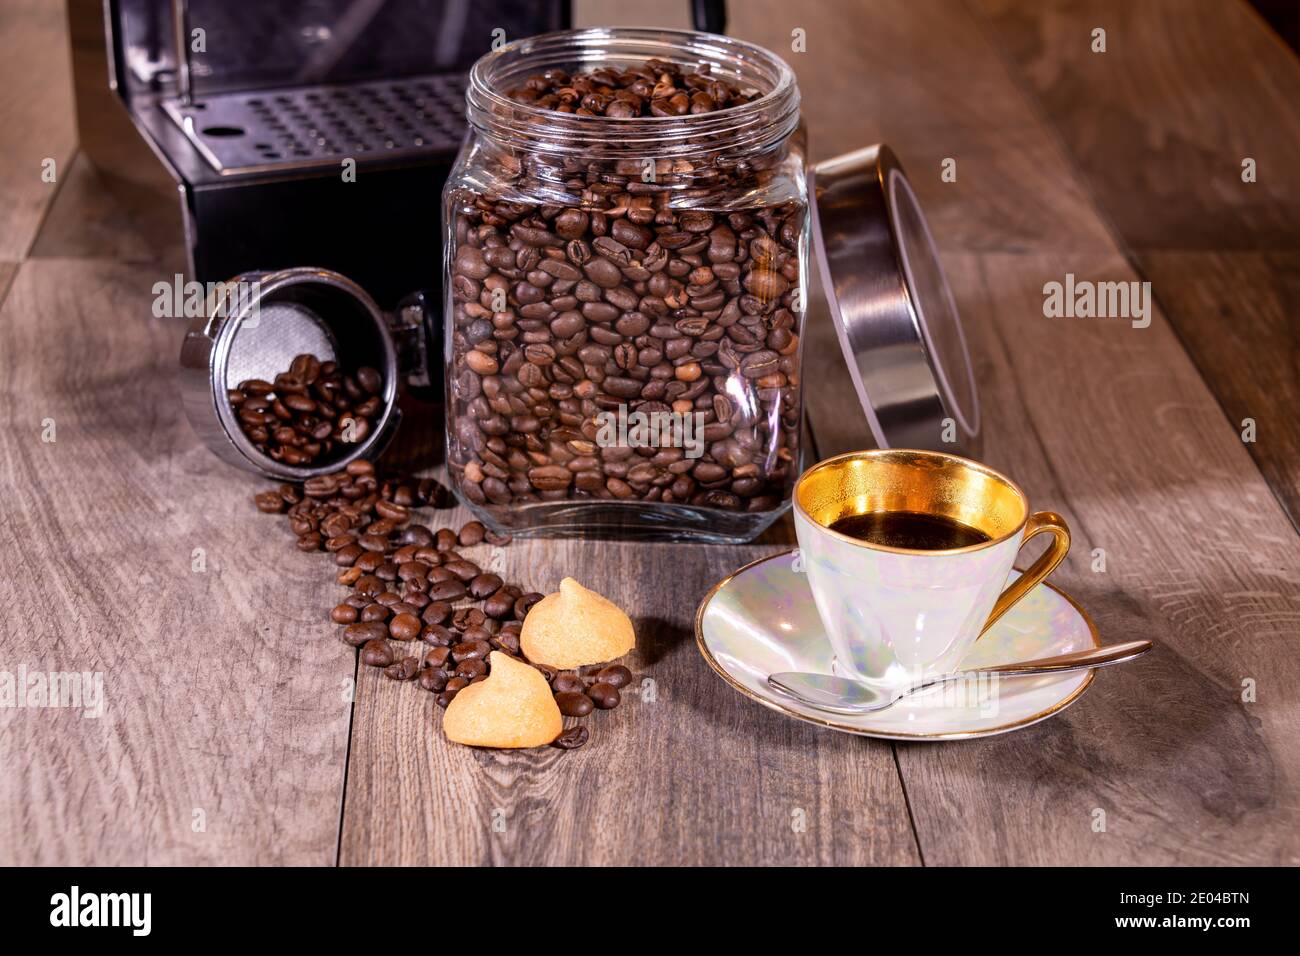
<point x="762" y="620"/>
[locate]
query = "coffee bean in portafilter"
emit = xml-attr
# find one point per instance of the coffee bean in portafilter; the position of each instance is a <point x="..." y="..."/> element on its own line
<point x="307" y="411"/>
<point x="409" y="582"/>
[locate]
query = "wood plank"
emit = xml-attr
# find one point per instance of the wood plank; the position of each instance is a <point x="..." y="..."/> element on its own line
<point x="36" y="116"/>
<point x="1158" y="127"/>
<point x="1159" y="124"/>
<point x="1238" y="314"/>
<point x="696" y="775"/>
<point x="7" y="272"/>
<point x="917" y="74"/>
<point x="221" y="695"/>
<point x="1112" y="426"/>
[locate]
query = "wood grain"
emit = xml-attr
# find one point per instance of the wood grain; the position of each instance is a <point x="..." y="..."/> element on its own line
<point x="1158" y="127"/>
<point x="1238" y="314"/>
<point x="36" y="117"/>
<point x="690" y="773"/>
<point x="7" y="272"/>
<point x="1159" y="124"/>
<point x="1113" y="427"/>
<point x="222" y="696"/>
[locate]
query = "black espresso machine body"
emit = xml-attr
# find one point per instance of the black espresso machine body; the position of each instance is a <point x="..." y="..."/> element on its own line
<point x="269" y="134"/>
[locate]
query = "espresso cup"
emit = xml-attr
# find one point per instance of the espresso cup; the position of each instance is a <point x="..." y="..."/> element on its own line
<point x="905" y="605"/>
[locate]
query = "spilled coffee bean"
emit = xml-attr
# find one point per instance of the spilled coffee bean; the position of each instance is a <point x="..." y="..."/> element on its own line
<point x="410" y="582"/>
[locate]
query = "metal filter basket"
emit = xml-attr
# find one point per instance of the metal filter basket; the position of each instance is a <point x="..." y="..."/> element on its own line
<point x="255" y="325"/>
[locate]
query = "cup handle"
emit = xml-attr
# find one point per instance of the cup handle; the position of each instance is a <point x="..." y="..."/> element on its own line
<point x="1039" y="522"/>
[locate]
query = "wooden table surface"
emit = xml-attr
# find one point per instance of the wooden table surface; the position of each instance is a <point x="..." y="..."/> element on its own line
<point x="230" y="733"/>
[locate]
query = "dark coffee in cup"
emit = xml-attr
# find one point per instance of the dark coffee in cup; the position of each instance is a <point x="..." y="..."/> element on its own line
<point x="912" y="530"/>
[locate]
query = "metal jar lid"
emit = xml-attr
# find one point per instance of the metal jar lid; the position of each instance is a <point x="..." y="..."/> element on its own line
<point x="253" y="328"/>
<point x="893" y="311"/>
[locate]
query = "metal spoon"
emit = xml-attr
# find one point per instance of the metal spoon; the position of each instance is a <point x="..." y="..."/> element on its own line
<point x="842" y="696"/>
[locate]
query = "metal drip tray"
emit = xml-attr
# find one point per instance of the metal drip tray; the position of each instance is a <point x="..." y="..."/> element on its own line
<point x="311" y="127"/>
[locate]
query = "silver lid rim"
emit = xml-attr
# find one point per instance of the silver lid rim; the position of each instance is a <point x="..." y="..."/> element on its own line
<point x="892" y="362"/>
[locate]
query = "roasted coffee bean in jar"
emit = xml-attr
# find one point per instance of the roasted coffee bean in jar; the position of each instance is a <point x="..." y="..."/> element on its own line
<point x="626" y="261"/>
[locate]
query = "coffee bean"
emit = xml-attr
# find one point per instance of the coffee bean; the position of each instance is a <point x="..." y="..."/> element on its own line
<point x="269" y="502"/>
<point x="464" y="571"/>
<point x="572" y="738"/>
<point x="403" y="670"/>
<point x="432" y="679"/>
<point x="398" y="514"/>
<point x="347" y="555"/>
<point x="574" y="704"/>
<point x="471" y="534"/>
<point x="470" y="650"/>
<point x="468" y="619"/>
<point x="375" y="612"/>
<point x="525" y="603"/>
<point x="405" y="627"/>
<point x="603" y="695"/>
<point x="452" y="590"/>
<point x="471" y="669"/>
<point x="436" y="657"/>
<point x="438" y="635"/>
<point x="437" y="612"/>
<point x="373" y="542"/>
<point x="297" y="418"/>
<point x="615" y="675"/>
<point x="506" y="641"/>
<point x="416" y="535"/>
<point x="568" y="682"/>
<point x="484" y="586"/>
<point x="499" y="606"/>
<point x="547" y="670"/>
<point x="376" y="653"/>
<point x="359" y="633"/>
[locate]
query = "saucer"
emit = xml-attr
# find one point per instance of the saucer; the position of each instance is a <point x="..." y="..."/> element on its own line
<point x="762" y="620"/>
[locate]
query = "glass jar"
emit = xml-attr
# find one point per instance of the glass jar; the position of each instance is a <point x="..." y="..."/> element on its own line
<point x="624" y="297"/>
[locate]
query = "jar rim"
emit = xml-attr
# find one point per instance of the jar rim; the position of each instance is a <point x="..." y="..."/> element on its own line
<point x="774" y="111"/>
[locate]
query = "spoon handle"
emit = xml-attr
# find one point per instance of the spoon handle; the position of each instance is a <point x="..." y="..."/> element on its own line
<point x="1078" y="660"/>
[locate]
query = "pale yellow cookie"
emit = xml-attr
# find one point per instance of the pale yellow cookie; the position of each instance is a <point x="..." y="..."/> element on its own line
<point x="575" y="627"/>
<point x="514" y="707"/>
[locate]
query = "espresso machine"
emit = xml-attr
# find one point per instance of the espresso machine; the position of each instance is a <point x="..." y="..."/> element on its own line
<point x="281" y="133"/>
